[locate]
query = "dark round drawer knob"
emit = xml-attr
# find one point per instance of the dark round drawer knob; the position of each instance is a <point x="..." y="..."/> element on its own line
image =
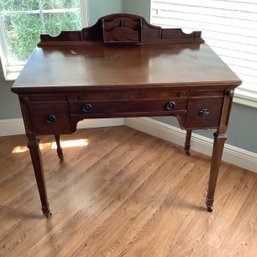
<point x="204" y="112"/>
<point x="87" y="107"/>
<point x="170" y="106"/>
<point x="50" y="118"/>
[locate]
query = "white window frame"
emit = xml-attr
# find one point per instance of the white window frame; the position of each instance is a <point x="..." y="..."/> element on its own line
<point x="11" y="72"/>
<point x="243" y="95"/>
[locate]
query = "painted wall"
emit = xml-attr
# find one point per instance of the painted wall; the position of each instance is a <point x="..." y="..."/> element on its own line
<point x="140" y="7"/>
<point x="9" y="104"/>
<point x="101" y="8"/>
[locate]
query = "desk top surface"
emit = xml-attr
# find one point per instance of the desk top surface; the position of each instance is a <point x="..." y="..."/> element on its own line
<point x="139" y="65"/>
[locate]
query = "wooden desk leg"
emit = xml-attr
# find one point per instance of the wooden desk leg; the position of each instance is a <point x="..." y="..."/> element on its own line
<point x="59" y="148"/>
<point x="33" y="145"/>
<point x="219" y="140"/>
<point x="188" y="142"/>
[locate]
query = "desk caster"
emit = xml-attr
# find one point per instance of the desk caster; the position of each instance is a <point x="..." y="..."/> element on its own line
<point x="59" y="148"/>
<point x="209" y="208"/>
<point x="47" y="213"/>
<point x="187" y="152"/>
<point x="61" y="156"/>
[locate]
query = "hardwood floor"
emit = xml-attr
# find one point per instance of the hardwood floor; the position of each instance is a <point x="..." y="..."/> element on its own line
<point x="124" y="193"/>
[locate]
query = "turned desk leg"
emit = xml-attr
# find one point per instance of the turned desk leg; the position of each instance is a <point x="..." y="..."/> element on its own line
<point x="219" y="140"/>
<point x="33" y="145"/>
<point x="188" y="142"/>
<point x="59" y="148"/>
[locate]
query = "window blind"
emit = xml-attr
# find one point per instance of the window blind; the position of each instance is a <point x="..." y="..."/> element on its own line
<point x="228" y="26"/>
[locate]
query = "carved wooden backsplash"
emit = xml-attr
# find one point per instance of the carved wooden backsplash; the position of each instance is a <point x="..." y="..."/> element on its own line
<point x="122" y="28"/>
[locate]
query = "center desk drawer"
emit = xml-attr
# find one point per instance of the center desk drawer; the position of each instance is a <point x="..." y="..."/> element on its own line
<point x="127" y="108"/>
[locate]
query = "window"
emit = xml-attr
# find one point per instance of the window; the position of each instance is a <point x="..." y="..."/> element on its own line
<point x="22" y="22"/>
<point x="228" y="26"/>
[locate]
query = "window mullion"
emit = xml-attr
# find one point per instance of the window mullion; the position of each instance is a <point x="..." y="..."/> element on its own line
<point x="43" y="26"/>
<point x="3" y="46"/>
<point x="84" y="13"/>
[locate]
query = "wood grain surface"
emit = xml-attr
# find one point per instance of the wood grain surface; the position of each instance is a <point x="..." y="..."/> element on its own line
<point x="122" y="66"/>
<point x="123" y="194"/>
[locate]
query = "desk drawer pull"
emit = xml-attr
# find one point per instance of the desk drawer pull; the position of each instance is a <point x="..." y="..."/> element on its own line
<point x="87" y="108"/>
<point x="170" y="106"/>
<point x="50" y="118"/>
<point x="204" y="112"/>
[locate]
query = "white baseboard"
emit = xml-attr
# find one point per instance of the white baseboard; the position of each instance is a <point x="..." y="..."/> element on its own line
<point x="234" y="155"/>
<point x="10" y="127"/>
<point x="100" y="123"/>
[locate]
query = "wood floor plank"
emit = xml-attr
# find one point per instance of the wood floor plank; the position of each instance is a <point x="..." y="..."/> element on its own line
<point x="124" y="194"/>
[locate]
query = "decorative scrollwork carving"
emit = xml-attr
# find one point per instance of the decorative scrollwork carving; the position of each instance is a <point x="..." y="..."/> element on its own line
<point x="122" y="28"/>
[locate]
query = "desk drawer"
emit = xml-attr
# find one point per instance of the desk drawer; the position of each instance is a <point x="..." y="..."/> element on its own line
<point x="50" y="118"/>
<point x="127" y="108"/>
<point x="204" y="112"/>
<point x="128" y="103"/>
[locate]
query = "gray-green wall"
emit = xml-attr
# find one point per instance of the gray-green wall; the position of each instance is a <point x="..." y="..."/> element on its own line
<point x="9" y="105"/>
<point x="101" y="8"/>
<point x="243" y="122"/>
<point x="140" y="7"/>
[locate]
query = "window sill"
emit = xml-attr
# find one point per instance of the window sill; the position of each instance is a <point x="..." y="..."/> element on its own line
<point x="13" y="72"/>
<point x="244" y="97"/>
<point x="11" y="76"/>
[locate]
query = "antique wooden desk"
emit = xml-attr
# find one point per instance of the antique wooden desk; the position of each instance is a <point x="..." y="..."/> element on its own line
<point x="124" y="67"/>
